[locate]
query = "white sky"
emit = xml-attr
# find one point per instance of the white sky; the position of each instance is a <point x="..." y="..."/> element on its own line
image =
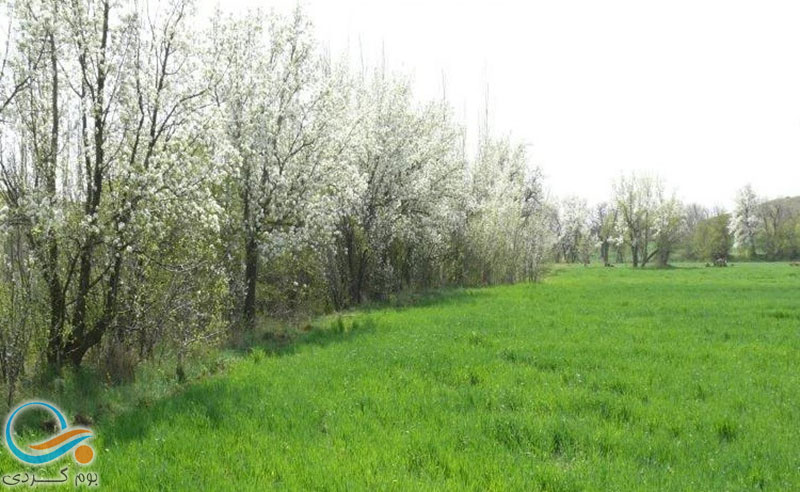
<point x="704" y="93"/>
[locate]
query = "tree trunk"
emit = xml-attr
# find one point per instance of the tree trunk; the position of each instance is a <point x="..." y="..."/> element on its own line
<point x="647" y="257"/>
<point x="55" y="342"/>
<point x="663" y="258"/>
<point x="77" y="346"/>
<point x="643" y="256"/>
<point x="357" y="259"/>
<point x="251" y="282"/>
<point x="81" y="339"/>
<point x="357" y="272"/>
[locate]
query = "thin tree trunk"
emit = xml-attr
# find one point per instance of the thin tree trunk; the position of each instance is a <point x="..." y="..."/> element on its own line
<point x="81" y="339"/>
<point x="78" y="346"/>
<point x="251" y="282"/>
<point x="604" y="250"/>
<point x="54" y="287"/>
<point x="647" y="257"/>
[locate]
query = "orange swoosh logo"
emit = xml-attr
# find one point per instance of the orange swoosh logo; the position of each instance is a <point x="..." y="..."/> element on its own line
<point x="59" y="439"/>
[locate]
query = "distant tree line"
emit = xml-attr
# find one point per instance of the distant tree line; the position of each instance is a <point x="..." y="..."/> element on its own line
<point x="161" y="185"/>
<point x="641" y="224"/>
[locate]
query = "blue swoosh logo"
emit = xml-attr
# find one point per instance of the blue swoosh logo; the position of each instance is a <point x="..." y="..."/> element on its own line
<point x="41" y="458"/>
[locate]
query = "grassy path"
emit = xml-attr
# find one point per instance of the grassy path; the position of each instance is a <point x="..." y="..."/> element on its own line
<point x="599" y="379"/>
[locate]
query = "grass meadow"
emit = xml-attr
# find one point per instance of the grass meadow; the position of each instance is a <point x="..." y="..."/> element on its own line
<point x="595" y="379"/>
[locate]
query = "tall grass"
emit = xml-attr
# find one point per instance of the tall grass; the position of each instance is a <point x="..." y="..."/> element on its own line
<point x="598" y="379"/>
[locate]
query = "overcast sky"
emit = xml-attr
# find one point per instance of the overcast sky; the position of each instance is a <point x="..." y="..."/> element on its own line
<point x="705" y="94"/>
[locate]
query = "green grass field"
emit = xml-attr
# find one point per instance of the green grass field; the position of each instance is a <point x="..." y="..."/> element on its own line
<point x="595" y="379"/>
